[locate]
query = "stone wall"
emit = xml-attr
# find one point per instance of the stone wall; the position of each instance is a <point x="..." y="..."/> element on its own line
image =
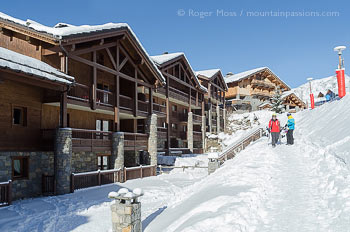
<point x="85" y="161"/>
<point x="39" y="163"/>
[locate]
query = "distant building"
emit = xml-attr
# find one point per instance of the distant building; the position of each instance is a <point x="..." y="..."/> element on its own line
<point x="248" y="90"/>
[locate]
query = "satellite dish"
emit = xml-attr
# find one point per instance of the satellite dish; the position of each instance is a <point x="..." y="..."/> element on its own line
<point x="339" y="49"/>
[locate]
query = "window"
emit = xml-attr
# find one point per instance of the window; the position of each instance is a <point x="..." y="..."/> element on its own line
<point x="174" y="126"/>
<point x="19" y="116"/>
<point x="184" y="128"/>
<point x="102" y="162"/>
<point x="20" y="167"/>
<point x="174" y="108"/>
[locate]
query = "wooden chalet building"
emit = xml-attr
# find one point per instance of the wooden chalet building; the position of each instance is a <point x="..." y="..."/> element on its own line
<point x="180" y="106"/>
<point x="248" y="90"/>
<point x="292" y="102"/>
<point x="214" y="99"/>
<point x="112" y="92"/>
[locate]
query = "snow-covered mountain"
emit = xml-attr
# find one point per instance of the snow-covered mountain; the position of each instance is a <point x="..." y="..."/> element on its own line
<point x="320" y="85"/>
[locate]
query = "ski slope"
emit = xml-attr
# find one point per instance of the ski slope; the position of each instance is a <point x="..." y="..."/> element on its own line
<point x="305" y="187"/>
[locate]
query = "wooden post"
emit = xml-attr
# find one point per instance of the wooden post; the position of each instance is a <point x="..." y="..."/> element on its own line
<point x="141" y="171"/>
<point x="125" y="179"/>
<point x="99" y="177"/>
<point x="94" y="81"/>
<point x="150" y="95"/>
<point x="9" y="192"/>
<point x="63" y="100"/>
<point x="72" y="183"/>
<point x="135" y="95"/>
<point x="167" y="114"/>
<point x="118" y="103"/>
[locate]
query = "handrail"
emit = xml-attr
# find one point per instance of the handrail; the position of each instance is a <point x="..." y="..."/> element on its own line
<point x="240" y="142"/>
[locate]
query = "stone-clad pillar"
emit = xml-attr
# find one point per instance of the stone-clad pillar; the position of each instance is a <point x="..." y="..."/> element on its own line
<point x="209" y="120"/>
<point x="217" y="120"/>
<point x="117" y="156"/>
<point x="63" y="160"/>
<point x="224" y="117"/>
<point x="203" y="133"/>
<point x="190" y="131"/>
<point x="152" y="139"/>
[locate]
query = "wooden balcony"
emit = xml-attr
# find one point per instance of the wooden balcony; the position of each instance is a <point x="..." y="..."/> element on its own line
<point x="160" y="110"/>
<point x="262" y="84"/>
<point x="91" y="140"/>
<point x="162" y="132"/>
<point x="197" y="119"/>
<point x="178" y="95"/>
<point x="135" y="141"/>
<point x="104" y="98"/>
<point x="79" y="92"/>
<point x="126" y="103"/>
<point x="197" y="135"/>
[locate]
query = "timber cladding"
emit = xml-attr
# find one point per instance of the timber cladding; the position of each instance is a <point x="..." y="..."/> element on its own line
<point x="25" y="135"/>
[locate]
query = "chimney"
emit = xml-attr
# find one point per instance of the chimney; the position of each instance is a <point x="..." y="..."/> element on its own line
<point x="229" y="74"/>
<point x="165" y="53"/>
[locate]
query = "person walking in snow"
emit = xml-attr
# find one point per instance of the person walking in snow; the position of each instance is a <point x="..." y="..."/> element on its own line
<point x="274" y="129"/>
<point x="291" y="125"/>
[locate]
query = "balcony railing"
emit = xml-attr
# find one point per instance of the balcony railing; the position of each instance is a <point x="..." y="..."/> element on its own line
<point x="104" y="97"/>
<point x="143" y="106"/>
<point x="162" y="132"/>
<point x="79" y="92"/>
<point x="264" y="84"/>
<point x="197" y="135"/>
<point x="135" y="141"/>
<point x="159" y="109"/>
<point x="126" y="102"/>
<point x="183" y="135"/>
<point x="178" y="94"/>
<point x="197" y="118"/>
<point x="91" y="140"/>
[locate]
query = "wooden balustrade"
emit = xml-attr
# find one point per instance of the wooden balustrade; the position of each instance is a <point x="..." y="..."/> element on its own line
<point x="162" y="132"/>
<point x="197" y="118"/>
<point x="143" y="106"/>
<point x="135" y="141"/>
<point x="5" y="193"/>
<point x="79" y="92"/>
<point x="98" y="178"/>
<point x="104" y="97"/>
<point x="197" y="135"/>
<point x="126" y="103"/>
<point x="48" y="184"/>
<point x="159" y="108"/>
<point x="178" y="94"/>
<point x="91" y="140"/>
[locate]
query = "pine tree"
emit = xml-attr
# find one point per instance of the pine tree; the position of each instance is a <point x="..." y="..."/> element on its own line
<point x="277" y="102"/>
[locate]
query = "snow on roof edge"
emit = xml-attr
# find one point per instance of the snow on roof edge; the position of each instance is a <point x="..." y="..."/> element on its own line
<point x="31" y="66"/>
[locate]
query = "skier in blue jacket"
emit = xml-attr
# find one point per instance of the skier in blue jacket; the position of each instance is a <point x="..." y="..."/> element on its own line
<point x="291" y="126"/>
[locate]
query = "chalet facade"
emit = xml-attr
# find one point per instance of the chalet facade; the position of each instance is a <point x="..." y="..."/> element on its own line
<point x="180" y="106"/>
<point x="292" y="102"/>
<point x="214" y="99"/>
<point x="80" y="123"/>
<point x="250" y="89"/>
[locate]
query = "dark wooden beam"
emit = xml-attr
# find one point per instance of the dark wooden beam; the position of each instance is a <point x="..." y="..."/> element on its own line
<point x="118" y="101"/>
<point x="136" y="107"/>
<point x="150" y="90"/>
<point x="94" y="81"/>
<point x="93" y="48"/>
<point x="111" y="58"/>
<point x="63" y="102"/>
<point x="123" y="63"/>
<point x="167" y="114"/>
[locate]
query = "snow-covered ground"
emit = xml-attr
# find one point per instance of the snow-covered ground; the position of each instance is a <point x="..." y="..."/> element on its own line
<point x="305" y="187"/>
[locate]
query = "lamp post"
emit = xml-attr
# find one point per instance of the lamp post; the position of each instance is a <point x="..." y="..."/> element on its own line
<point x="340" y="72"/>
<point x="312" y="100"/>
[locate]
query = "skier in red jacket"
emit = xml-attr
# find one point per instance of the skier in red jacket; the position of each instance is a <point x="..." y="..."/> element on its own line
<point x="274" y="129"/>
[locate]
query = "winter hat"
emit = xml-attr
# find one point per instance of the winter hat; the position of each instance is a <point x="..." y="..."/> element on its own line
<point x="274" y="115"/>
<point x="289" y="114"/>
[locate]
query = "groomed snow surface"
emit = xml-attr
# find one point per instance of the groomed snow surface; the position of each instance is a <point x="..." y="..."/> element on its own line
<point x="305" y="187"/>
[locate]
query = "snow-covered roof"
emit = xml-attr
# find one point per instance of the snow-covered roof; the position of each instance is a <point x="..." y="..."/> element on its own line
<point x="242" y="75"/>
<point x="164" y="58"/>
<point x="290" y="92"/>
<point x="209" y="73"/>
<point x="265" y="104"/>
<point x="246" y="74"/>
<point x="161" y="59"/>
<point x="63" y="30"/>
<point x="31" y="66"/>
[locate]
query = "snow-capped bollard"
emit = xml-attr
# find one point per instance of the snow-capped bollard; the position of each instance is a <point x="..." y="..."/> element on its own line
<point x="213" y="162"/>
<point x="126" y="210"/>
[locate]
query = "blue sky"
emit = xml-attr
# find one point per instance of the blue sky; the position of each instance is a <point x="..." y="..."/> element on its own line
<point x="293" y="47"/>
